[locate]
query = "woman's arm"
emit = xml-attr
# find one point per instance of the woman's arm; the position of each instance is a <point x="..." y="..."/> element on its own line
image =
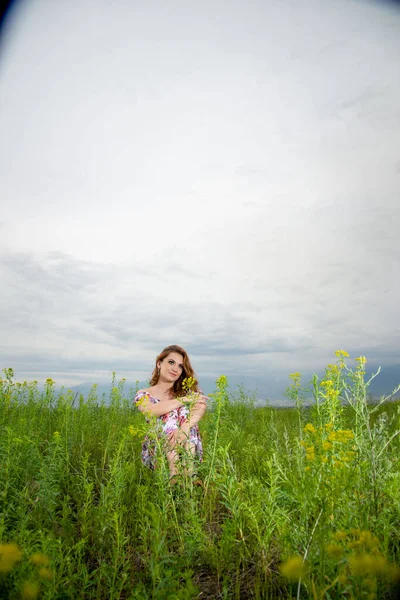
<point x="181" y="435"/>
<point x="197" y="411"/>
<point x="158" y="409"/>
<point x="197" y="408"/>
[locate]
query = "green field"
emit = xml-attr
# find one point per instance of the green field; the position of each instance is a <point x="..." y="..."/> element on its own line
<point x="297" y="503"/>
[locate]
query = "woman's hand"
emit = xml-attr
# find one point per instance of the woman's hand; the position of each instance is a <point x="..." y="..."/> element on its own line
<point x="196" y="412"/>
<point x="180" y="436"/>
<point x="197" y="407"/>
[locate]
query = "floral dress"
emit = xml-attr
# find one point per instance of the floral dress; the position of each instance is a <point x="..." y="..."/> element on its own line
<point x="165" y="424"/>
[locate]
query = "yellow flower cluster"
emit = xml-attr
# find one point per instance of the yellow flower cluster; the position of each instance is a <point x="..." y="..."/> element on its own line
<point x="362" y="539"/>
<point x="295" y="377"/>
<point x="358" y="563"/>
<point x="334" y="550"/>
<point x="325" y="443"/>
<point x="375" y="565"/>
<point x="310" y="453"/>
<point x="222" y="381"/>
<point x="39" y="559"/>
<point x="143" y="399"/>
<point x="361" y="557"/>
<point x="293" y="568"/>
<point x="45" y="573"/>
<point x="188" y="383"/>
<point x="10" y="555"/>
<point x="140" y="402"/>
<point x="30" y="590"/>
<point x="309" y="428"/>
<point x="362" y="361"/>
<point x="343" y="436"/>
<point x="333" y="369"/>
<point x="328" y="389"/>
<point x="327" y="383"/>
<point x="133" y="431"/>
<point x="341" y="354"/>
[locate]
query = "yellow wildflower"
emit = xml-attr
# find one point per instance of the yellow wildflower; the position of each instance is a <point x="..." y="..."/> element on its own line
<point x="293" y="568"/>
<point x="346" y="435"/>
<point x="360" y="564"/>
<point x="353" y="545"/>
<point x="370" y="583"/>
<point x="309" y="428"/>
<point x="326" y="446"/>
<point x="393" y="572"/>
<point x="39" y="559"/>
<point x="332" y="437"/>
<point x="339" y="535"/>
<point x="10" y="554"/>
<point x="188" y="383"/>
<point x="342" y="354"/>
<point x="222" y="381"/>
<point x="30" y="590"/>
<point x="328" y="383"/>
<point x="295" y="377"/>
<point x="361" y="360"/>
<point x="368" y="540"/>
<point x="45" y="573"/>
<point x="341" y="435"/>
<point x="310" y="453"/>
<point x="334" y="550"/>
<point x="369" y="564"/>
<point x="142" y="400"/>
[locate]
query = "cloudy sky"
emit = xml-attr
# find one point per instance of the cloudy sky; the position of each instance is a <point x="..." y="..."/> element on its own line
<point x="225" y="176"/>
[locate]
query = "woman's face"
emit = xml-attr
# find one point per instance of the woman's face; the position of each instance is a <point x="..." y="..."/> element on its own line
<point x="171" y="367"/>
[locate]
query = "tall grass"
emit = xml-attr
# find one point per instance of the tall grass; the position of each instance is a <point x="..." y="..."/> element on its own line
<point x="301" y="502"/>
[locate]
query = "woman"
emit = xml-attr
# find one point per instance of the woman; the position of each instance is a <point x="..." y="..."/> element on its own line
<point x="167" y="400"/>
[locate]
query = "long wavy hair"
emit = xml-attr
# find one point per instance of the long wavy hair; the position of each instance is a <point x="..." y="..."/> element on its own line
<point x="187" y="371"/>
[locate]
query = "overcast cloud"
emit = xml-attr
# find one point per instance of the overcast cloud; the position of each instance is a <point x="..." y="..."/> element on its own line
<point x="221" y="176"/>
